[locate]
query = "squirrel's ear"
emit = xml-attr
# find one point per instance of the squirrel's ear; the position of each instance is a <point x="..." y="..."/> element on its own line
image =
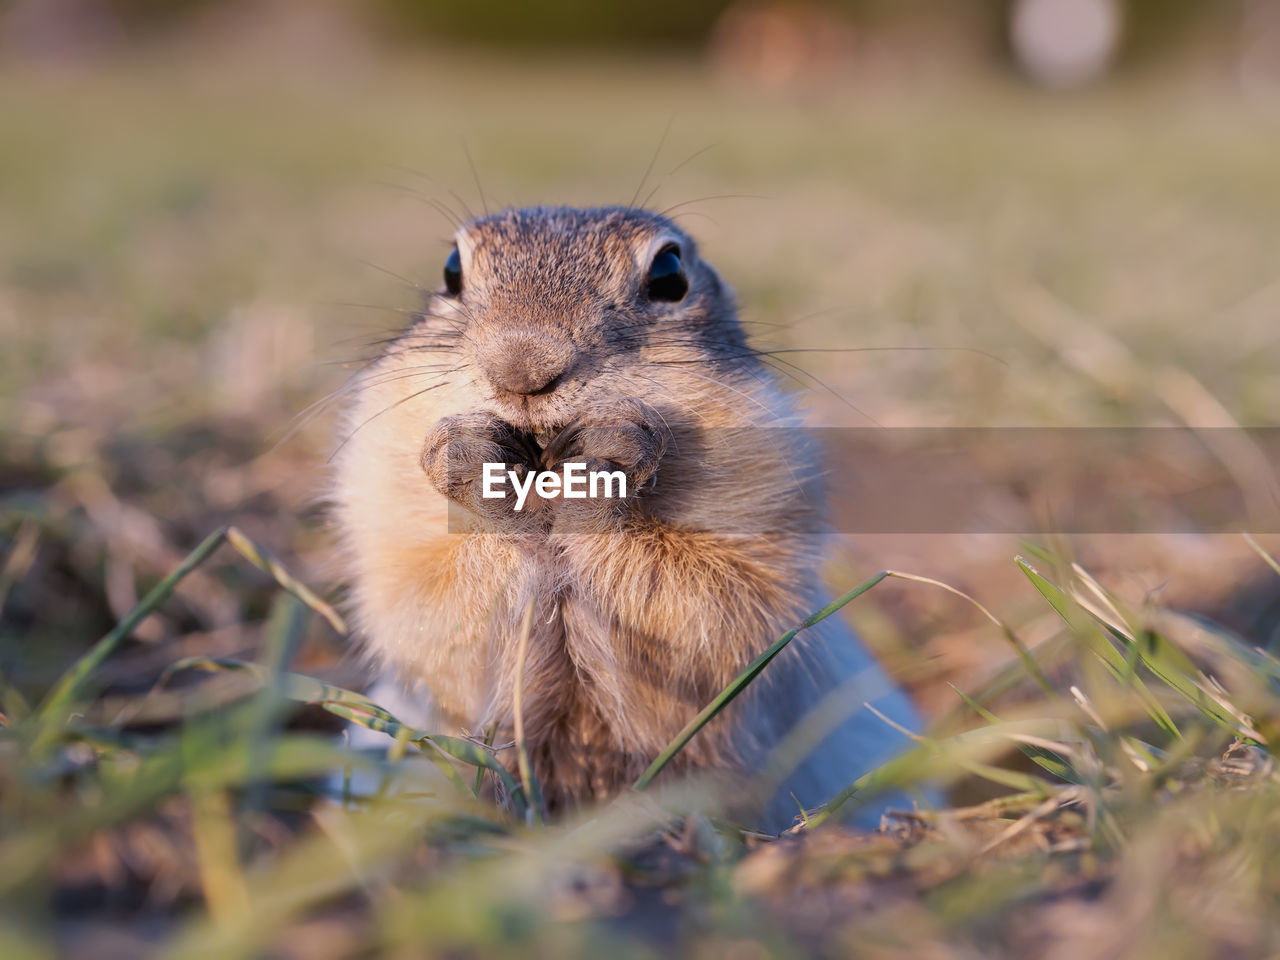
<point x="667" y="280"/>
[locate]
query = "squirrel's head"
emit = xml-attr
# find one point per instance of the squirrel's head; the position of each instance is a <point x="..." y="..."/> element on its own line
<point x="548" y="308"/>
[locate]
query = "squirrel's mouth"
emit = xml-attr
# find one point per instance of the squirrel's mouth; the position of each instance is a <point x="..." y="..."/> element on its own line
<point x="544" y="414"/>
<point x="545" y="437"/>
<point x="547" y="447"/>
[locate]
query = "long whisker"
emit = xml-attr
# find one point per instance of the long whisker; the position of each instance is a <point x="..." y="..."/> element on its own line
<point x="387" y="409"/>
<point x="794" y="477"/>
<point x="353" y="385"/>
<point x="719" y="383"/>
<point x="391" y="273"/>
<point x="677" y="217"/>
<point x="357" y="380"/>
<point x="466" y="207"/>
<point x="674" y="170"/>
<point x="682" y="404"/>
<point x="767" y="357"/>
<point x="719" y="196"/>
<point x="800" y="371"/>
<point x="798" y="374"/>
<point x="915" y="349"/>
<point x="475" y="175"/>
<point x="386" y="308"/>
<point x="437" y="205"/>
<point x="652" y="160"/>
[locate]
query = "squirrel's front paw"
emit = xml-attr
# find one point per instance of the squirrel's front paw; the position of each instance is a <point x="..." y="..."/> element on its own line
<point x="624" y="435"/>
<point x="456" y="450"/>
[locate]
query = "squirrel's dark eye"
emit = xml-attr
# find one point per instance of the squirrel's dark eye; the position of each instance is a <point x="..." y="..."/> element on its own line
<point x="666" y="277"/>
<point x="453" y="273"/>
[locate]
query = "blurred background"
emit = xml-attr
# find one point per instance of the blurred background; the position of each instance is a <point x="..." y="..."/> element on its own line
<point x="996" y="213"/>
<point x="949" y="212"/>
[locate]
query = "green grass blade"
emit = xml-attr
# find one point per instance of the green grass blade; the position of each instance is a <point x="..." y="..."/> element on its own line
<point x="939" y="759"/>
<point x="1087" y="628"/>
<point x="1006" y="679"/>
<point x="360" y="709"/>
<point x="977" y="708"/>
<point x="1047" y="760"/>
<point x="477" y="756"/>
<point x="743" y="680"/>
<point x="17" y="945"/>
<point x="1175" y="669"/>
<point x="402" y="733"/>
<point x="286" y="628"/>
<point x="1166" y="662"/>
<point x="488" y="742"/>
<point x="72" y="682"/>
<point x="13" y="705"/>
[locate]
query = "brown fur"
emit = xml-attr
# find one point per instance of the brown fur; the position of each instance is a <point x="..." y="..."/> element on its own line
<point x="643" y="610"/>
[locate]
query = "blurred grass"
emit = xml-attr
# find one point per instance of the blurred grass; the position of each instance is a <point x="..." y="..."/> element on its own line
<point x="148" y="204"/>
<point x="177" y="245"/>
<point x="429" y="867"/>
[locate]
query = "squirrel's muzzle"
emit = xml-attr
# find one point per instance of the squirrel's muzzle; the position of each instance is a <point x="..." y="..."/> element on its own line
<point x="526" y="362"/>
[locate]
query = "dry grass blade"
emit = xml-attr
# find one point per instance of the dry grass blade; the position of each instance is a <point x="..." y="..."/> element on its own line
<point x="213" y="830"/>
<point x="532" y="791"/>
<point x="943" y="760"/>
<point x="264" y="561"/>
<point x="1023" y="823"/>
<point x="294" y="686"/>
<point x="1024" y="655"/>
<point x="1082" y="623"/>
<point x="1267" y="558"/>
<point x="19" y="560"/>
<point x="314" y="870"/>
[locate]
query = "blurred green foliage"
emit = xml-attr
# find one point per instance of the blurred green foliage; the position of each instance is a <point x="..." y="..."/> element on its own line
<point x="144" y="15"/>
<point x="1153" y="25"/>
<point x="557" y="22"/>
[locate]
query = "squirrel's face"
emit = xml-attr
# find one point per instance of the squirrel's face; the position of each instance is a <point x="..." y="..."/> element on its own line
<point x="547" y="309"/>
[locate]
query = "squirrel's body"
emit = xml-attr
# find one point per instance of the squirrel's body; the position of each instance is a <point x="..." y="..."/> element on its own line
<point x="597" y="336"/>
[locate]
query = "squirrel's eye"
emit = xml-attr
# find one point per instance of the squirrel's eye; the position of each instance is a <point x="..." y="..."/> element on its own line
<point x="666" y="277"/>
<point x="453" y="273"/>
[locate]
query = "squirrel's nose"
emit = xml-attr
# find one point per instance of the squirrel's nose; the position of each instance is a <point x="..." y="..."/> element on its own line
<point x="527" y="363"/>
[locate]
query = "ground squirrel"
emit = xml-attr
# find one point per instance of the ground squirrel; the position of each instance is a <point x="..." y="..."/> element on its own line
<point x="598" y="336"/>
